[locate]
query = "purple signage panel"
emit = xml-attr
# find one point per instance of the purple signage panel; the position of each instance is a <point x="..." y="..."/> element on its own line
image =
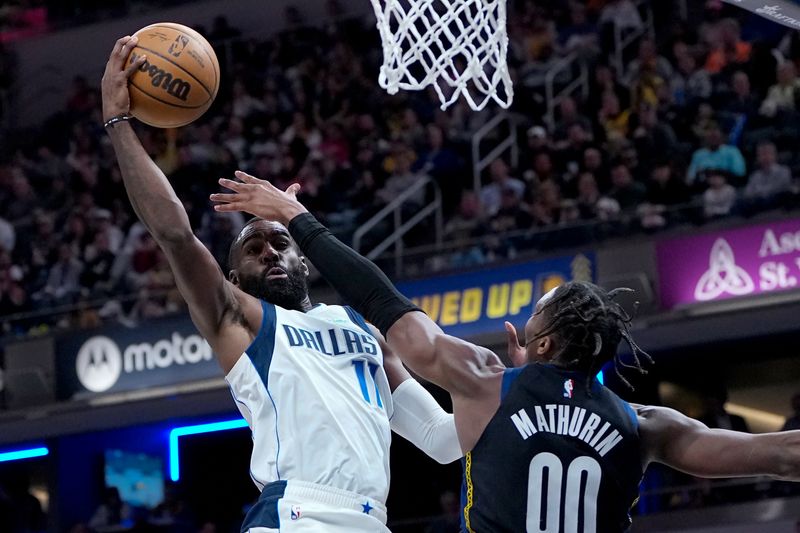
<point x="739" y="262"/>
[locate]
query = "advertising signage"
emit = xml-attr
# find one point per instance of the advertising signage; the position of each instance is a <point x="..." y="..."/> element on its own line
<point x="728" y="264"/>
<point x="112" y="359"/>
<point x="479" y="302"/>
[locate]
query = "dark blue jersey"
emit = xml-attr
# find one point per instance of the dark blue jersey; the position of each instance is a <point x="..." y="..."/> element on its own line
<point x="554" y="458"/>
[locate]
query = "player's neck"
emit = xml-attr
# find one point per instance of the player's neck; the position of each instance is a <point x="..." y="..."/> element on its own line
<point x="305" y="305"/>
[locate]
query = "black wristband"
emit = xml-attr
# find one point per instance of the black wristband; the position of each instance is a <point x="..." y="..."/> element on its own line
<point x="357" y="280"/>
<point x="119" y="118"/>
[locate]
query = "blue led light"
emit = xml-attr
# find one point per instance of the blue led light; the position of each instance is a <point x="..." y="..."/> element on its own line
<point x="23" y="454"/>
<point x="175" y="433"/>
<point x="600" y="377"/>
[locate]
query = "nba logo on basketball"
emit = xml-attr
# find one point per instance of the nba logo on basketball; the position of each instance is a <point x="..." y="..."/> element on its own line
<point x="569" y="386"/>
<point x="177" y="47"/>
<point x="296" y="514"/>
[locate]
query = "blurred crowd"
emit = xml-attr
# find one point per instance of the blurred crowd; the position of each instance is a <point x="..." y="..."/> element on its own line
<point x="698" y="125"/>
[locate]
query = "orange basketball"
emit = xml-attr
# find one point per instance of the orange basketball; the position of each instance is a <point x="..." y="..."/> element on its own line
<point x="178" y="81"/>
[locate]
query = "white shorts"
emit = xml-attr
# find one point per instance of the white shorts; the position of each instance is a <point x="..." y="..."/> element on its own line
<point x="302" y="507"/>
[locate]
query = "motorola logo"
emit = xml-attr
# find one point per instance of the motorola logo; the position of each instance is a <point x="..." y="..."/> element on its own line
<point x="101" y="361"/>
<point x="99" y="364"/>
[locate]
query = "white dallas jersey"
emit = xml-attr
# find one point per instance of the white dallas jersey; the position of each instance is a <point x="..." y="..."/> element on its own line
<point x="314" y="393"/>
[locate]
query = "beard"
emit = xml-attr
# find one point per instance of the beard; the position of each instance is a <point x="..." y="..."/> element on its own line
<point x="288" y="293"/>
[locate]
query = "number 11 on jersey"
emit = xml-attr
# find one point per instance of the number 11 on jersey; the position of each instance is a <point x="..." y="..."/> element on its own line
<point x="363" y="368"/>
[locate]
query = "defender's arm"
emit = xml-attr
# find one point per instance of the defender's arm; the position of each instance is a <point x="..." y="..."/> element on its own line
<point x="687" y="445"/>
<point x="417" y="416"/>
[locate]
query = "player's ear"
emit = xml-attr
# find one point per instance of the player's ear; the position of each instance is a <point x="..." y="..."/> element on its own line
<point x="233" y="277"/>
<point x="304" y="265"/>
<point x="544" y="345"/>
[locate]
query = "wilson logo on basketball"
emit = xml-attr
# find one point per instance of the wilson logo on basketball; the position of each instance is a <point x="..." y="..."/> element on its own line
<point x="176" y="87"/>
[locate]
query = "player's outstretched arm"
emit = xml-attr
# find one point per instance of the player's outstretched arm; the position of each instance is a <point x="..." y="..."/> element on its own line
<point x="685" y="444"/>
<point x="455" y="365"/>
<point x="221" y="312"/>
<point x="416" y="415"/>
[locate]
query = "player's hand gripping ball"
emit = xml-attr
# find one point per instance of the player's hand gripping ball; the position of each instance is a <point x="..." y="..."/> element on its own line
<point x="179" y="79"/>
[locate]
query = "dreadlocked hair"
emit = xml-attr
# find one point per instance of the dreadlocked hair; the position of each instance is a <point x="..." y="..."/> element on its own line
<point x="590" y="324"/>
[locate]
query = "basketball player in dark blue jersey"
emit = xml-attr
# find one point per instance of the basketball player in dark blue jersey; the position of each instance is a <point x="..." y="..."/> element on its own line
<point x="547" y="447"/>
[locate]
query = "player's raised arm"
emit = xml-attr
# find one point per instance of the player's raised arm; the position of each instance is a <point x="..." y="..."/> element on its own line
<point x="449" y="362"/>
<point x="690" y="446"/>
<point x="223" y="314"/>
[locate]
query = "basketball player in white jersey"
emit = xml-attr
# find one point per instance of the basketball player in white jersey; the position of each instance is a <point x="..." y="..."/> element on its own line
<point x="316" y="384"/>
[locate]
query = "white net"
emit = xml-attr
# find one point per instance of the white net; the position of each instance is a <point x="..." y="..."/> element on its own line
<point x="457" y="46"/>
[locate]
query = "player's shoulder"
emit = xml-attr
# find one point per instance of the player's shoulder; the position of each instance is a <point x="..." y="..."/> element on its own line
<point x="655" y="419"/>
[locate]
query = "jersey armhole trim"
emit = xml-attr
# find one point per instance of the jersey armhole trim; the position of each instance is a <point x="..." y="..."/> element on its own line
<point x="509" y="376"/>
<point x="261" y="349"/>
<point x="357" y="319"/>
<point x="631" y="413"/>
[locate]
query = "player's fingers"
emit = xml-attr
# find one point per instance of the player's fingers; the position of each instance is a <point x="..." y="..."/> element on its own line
<point x="232" y="185"/>
<point x="247" y="178"/>
<point x="233" y="206"/>
<point x="118" y="46"/>
<point x="511" y="331"/>
<point x="293" y="189"/>
<point x="224" y="197"/>
<point x="114" y="64"/>
<point x="134" y="66"/>
<point x="127" y="46"/>
<point x="515" y="352"/>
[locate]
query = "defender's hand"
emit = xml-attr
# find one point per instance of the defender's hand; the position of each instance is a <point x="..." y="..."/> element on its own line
<point x="516" y="353"/>
<point x="259" y="198"/>
<point x="116" y="99"/>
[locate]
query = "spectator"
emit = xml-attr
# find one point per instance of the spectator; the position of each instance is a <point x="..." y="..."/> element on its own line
<point x="594" y="162"/>
<point x="99" y="258"/>
<point x="720" y="197"/>
<point x="715" y="155"/>
<point x="510" y="216"/>
<point x="546" y="205"/>
<point x="648" y="62"/>
<point x="467" y="222"/>
<point x="442" y="163"/>
<point x="490" y="195"/>
<point x="663" y="192"/>
<point x="63" y="279"/>
<point x="728" y="47"/>
<point x="716" y="416"/>
<point x="652" y="138"/>
<point x="793" y="422"/>
<point x="627" y="192"/>
<point x="580" y="35"/>
<point x="612" y="119"/>
<point x="688" y="83"/>
<point x="741" y="100"/>
<point x="23" y="199"/>
<point x="588" y="196"/>
<point x="665" y="188"/>
<point x="401" y="179"/>
<point x="568" y="115"/>
<point x="605" y="80"/>
<point x="782" y="96"/>
<point x="769" y="184"/>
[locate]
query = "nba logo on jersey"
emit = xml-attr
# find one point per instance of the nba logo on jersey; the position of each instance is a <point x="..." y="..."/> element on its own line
<point x="569" y="386"/>
<point x="296" y="514"/>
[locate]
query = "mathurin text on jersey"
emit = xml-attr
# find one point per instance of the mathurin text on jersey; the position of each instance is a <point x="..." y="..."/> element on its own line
<point x="569" y="421"/>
